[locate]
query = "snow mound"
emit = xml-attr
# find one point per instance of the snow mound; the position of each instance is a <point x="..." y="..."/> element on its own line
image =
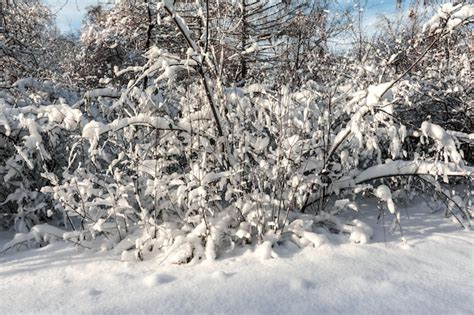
<point x="265" y="251"/>
<point x="360" y="232"/>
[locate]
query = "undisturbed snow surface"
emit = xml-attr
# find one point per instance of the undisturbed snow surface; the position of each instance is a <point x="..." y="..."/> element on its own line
<point x="432" y="274"/>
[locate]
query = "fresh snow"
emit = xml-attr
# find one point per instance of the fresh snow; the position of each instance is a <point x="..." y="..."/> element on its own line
<point x="444" y="140"/>
<point x="431" y="272"/>
<point x="452" y="15"/>
<point x="400" y="168"/>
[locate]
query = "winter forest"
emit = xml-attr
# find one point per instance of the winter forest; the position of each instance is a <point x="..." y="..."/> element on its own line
<point x="237" y="156"/>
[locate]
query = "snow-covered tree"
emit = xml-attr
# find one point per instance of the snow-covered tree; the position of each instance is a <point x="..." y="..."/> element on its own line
<point x="27" y="31"/>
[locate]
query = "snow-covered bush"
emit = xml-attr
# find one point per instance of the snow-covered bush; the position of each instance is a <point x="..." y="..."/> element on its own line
<point x="176" y="164"/>
<point x="35" y="135"/>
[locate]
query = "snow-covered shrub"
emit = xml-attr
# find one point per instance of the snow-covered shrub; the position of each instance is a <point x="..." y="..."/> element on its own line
<point x="178" y="165"/>
<point x="166" y="182"/>
<point x="34" y="142"/>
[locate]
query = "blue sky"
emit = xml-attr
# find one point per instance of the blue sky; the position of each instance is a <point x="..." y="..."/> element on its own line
<point x="69" y="13"/>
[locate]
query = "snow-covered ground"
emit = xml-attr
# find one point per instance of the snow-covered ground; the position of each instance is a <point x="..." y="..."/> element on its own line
<point x="432" y="274"/>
